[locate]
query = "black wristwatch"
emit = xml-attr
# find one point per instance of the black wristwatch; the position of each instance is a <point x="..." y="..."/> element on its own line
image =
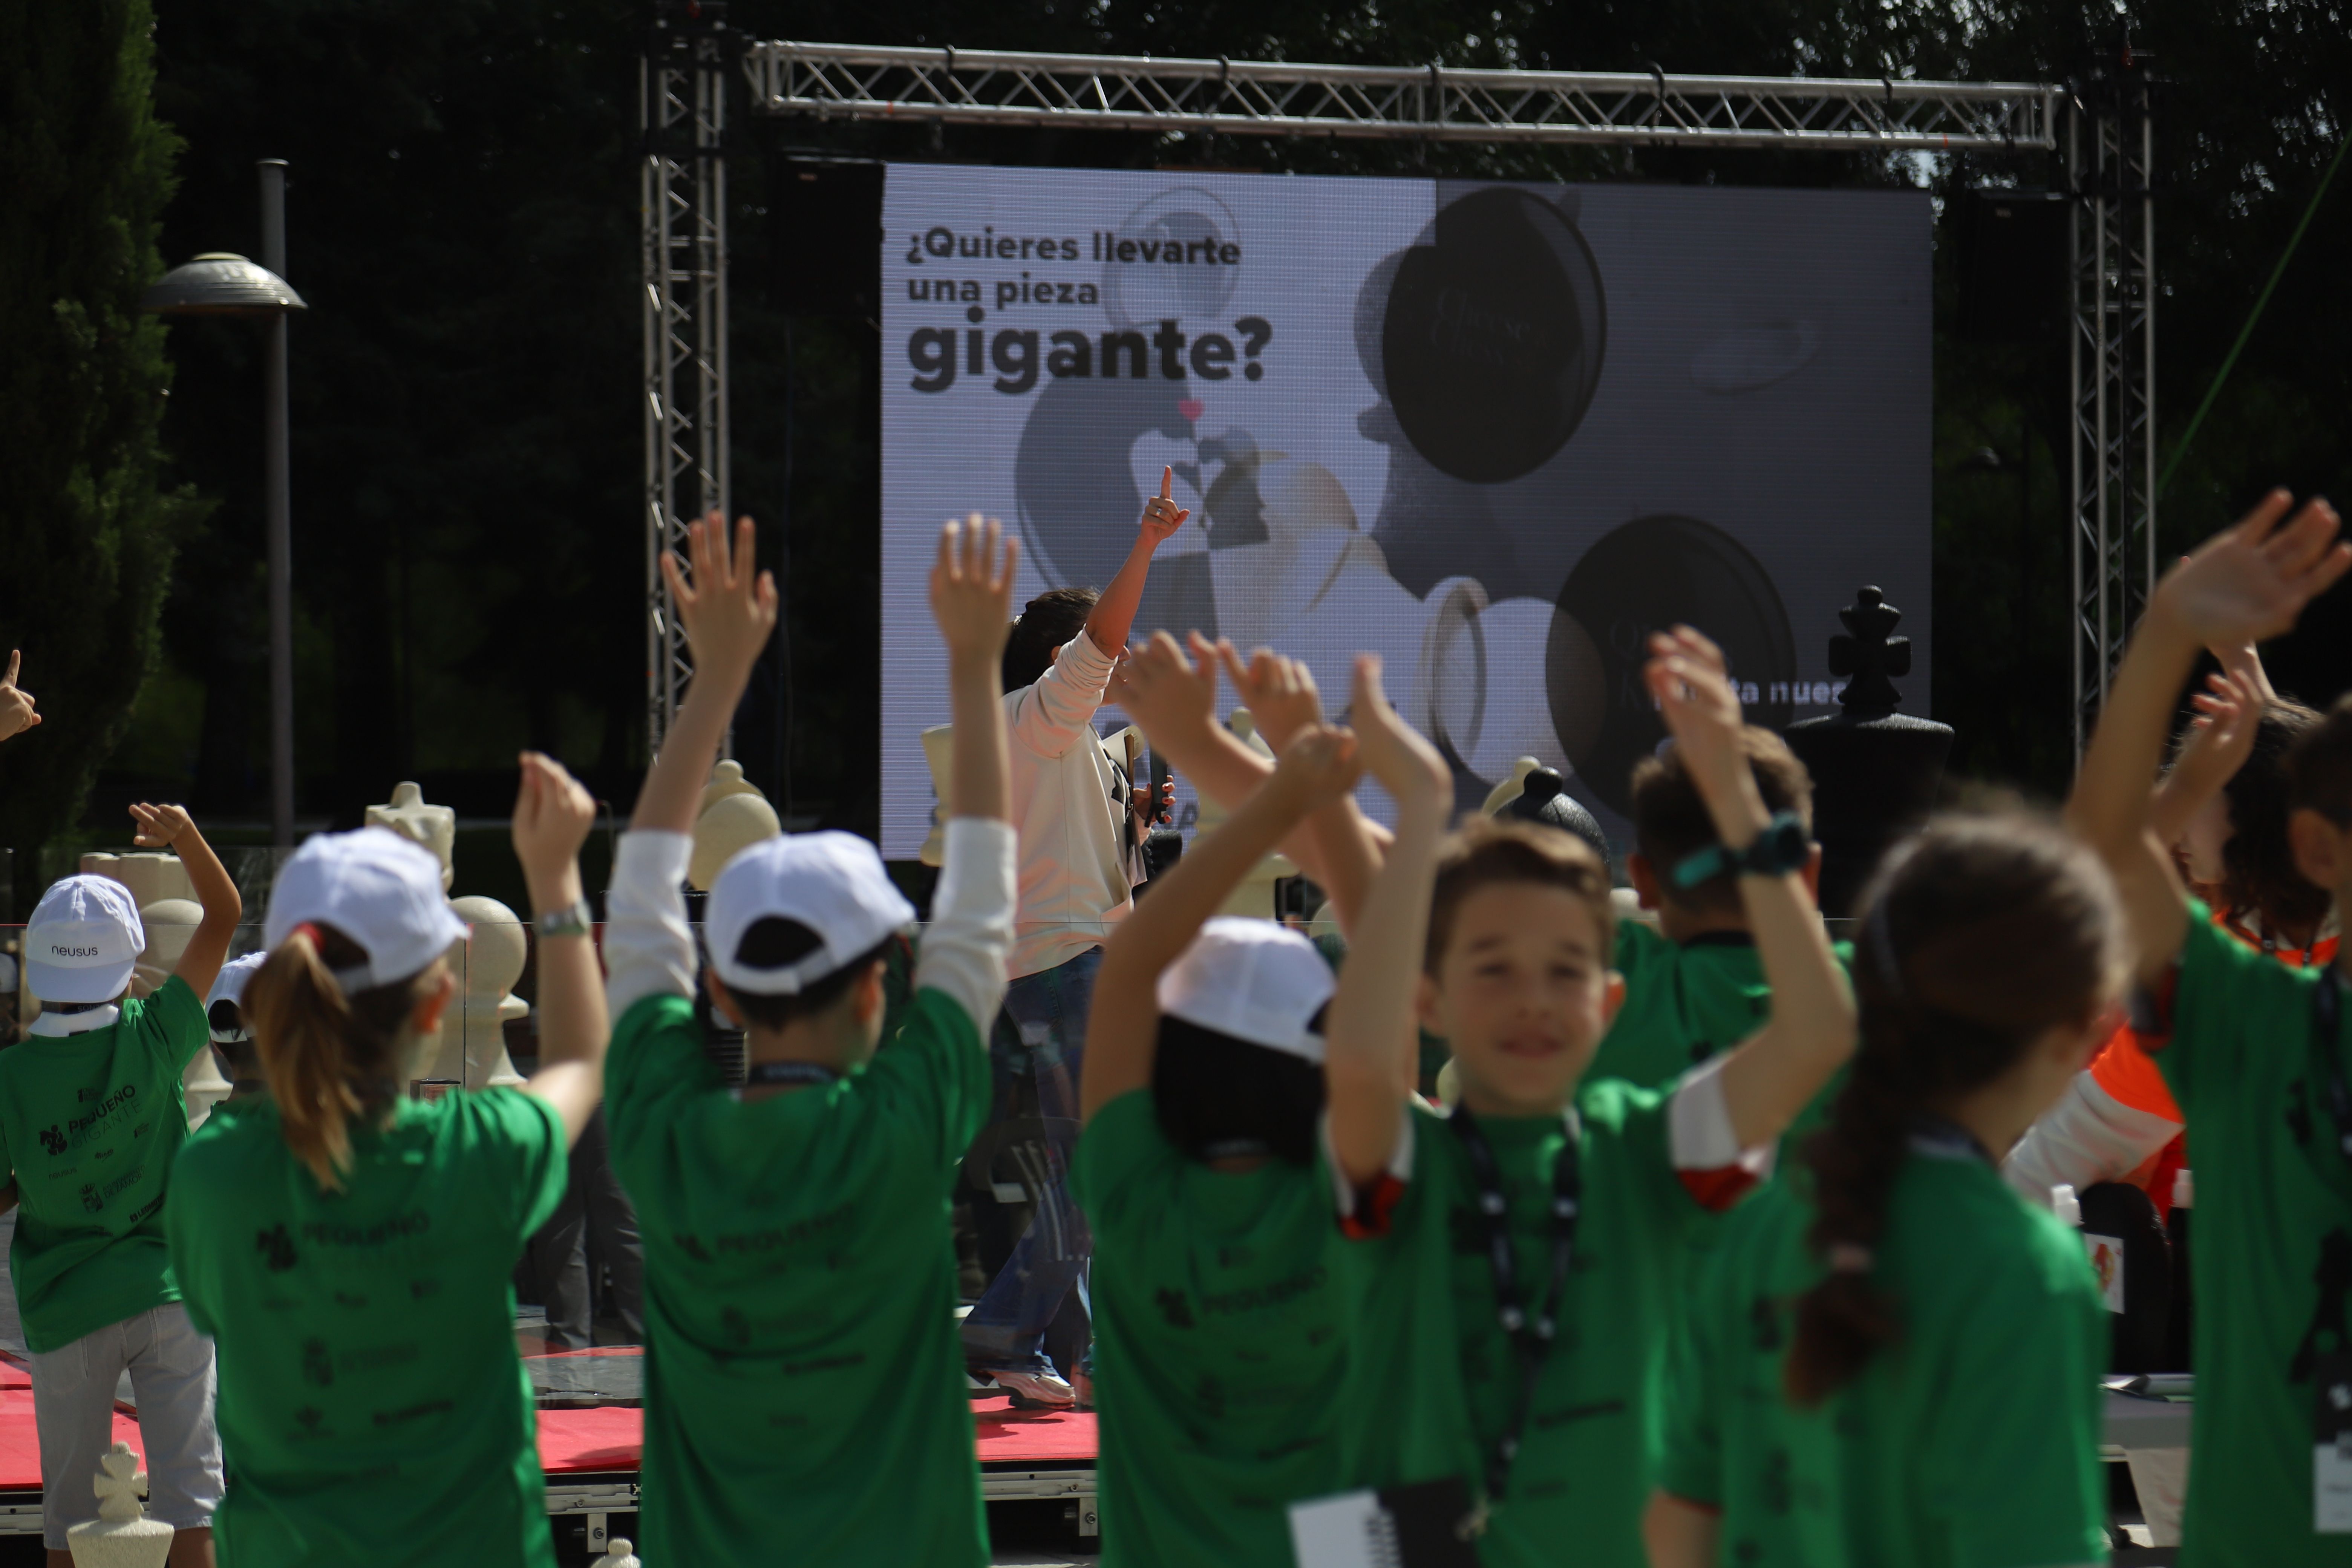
<point x="1782" y="847"/>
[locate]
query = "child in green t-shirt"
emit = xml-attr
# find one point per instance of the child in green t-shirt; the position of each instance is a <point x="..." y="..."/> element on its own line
<point x="1890" y="1357"/>
<point x="92" y="1113"/>
<point x="1223" y="1309"/>
<point x="1694" y="985"/>
<point x="2256" y="1057"/>
<point x="804" y="1388"/>
<point x="1520" y="1316"/>
<point x="352" y="1249"/>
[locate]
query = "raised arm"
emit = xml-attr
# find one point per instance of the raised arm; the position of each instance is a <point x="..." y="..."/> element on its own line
<point x="2221" y="739"/>
<point x="2244" y="584"/>
<point x="728" y="612"/>
<point x="1123" y="1027"/>
<point x="553" y="815"/>
<point x="1772" y="1077"/>
<point x="971" y="910"/>
<point x="1114" y="612"/>
<point x="1372" y="1033"/>
<point x="17" y="711"/>
<point x="161" y="827"/>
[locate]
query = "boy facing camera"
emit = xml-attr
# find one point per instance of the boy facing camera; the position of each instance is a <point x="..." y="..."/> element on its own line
<point x="805" y="1380"/>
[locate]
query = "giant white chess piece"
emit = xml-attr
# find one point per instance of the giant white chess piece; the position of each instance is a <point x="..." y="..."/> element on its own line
<point x="472" y="1046"/>
<point x="122" y="1536"/>
<point x="733" y="816"/>
<point x="171" y="925"/>
<point x="434" y="827"/>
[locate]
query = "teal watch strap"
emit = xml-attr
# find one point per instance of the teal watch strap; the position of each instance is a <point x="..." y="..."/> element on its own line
<point x="1782" y="847"/>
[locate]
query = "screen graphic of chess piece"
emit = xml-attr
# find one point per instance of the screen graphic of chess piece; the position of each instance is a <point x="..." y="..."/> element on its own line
<point x="1874" y="771"/>
<point x="122" y="1536"/>
<point x="1543" y="798"/>
<point x="1650" y="574"/>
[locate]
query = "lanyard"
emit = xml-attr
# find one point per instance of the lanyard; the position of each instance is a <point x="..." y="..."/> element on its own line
<point x="761" y="1075"/>
<point x="1531" y="1333"/>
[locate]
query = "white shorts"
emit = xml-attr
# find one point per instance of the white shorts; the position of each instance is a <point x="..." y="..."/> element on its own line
<point x="170" y="1368"/>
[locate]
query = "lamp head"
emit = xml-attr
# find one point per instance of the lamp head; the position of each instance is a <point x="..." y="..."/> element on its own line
<point x="218" y="283"/>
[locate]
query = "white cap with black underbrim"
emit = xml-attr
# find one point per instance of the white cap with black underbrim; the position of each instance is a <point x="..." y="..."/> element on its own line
<point x="229" y="986"/>
<point x="378" y="889"/>
<point x="82" y="941"/>
<point x="831" y="882"/>
<point x="1250" y="980"/>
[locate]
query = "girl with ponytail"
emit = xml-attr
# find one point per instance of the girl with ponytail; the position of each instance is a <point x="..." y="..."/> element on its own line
<point x="351" y="1249"/>
<point x="1892" y="1358"/>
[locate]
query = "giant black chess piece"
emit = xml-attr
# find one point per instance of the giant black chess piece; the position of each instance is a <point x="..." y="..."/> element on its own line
<point x="1874" y="770"/>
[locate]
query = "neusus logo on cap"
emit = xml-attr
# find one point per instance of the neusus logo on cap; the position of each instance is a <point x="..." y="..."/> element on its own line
<point x="59" y="950"/>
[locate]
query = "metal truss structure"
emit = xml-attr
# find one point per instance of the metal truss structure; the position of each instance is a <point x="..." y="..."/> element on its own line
<point x="2111" y="357"/>
<point x="691" y="54"/>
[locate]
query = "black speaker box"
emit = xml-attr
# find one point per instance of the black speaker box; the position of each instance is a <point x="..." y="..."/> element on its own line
<point x="2012" y="262"/>
<point x="828" y="218"/>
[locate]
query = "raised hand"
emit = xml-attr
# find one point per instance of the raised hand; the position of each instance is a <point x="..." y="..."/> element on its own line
<point x="971" y="587"/>
<point x="2221" y="736"/>
<point x="1394" y="752"/>
<point x="1162" y="515"/>
<point x="553" y="814"/>
<point x="1685" y="675"/>
<point x="728" y="610"/>
<point x="1278" y="692"/>
<point x="1319" y="765"/>
<point x="2251" y="581"/>
<point x="1171" y="697"/>
<point x="159" y="826"/>
<point x="16" y="712"/>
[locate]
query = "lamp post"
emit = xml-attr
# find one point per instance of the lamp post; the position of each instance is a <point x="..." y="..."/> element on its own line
<point x="220" y="284"/>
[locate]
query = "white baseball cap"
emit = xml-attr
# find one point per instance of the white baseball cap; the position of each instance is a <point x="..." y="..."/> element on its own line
<point x="82" y="940"/>
<point x="831" y="882"/>
<point x="229" y="986"/>
<point x="1253" y="981"/>
<point x="378" y="889"/>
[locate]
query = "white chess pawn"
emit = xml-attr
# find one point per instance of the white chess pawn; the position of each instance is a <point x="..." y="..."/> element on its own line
<point x="434" y="827"/>
<point x="729" y="825"/>
<point x="171" y="925"/>
<point x="122" y="1536"/>
<point x="472" y="1047"/>
<point x="726" y="779"/>
<point x="618" y="1555"/>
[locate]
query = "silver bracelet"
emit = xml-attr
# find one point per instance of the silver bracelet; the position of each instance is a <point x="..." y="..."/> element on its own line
<point x="576" y="920"/>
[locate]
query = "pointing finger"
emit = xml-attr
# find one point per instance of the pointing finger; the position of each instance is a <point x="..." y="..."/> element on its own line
<point x="1166" y="481"/>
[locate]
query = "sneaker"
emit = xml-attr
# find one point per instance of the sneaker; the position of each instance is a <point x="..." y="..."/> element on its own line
<point x="1034" y="1390"/>
<point x="1082" y="1386"/>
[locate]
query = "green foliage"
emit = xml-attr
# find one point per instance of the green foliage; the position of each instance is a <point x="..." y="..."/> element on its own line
<point x="86" y="523"/>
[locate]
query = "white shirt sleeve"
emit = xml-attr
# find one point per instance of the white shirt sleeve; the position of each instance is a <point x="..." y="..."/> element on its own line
<point x="2088" y="1137"/>
<point x="1706" y="1148"/>
<point x="648" y="947"/>
<point x="1049" y="717"/>
<point x="1365" y="1213"/>
<point x="971" y="918"/>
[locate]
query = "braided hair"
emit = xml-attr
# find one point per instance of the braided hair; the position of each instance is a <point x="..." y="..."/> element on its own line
<point x="1982" y="934"/>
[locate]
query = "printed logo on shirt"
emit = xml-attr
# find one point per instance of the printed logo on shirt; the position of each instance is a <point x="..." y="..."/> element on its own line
<point x="1174" y="1308"/>
<point x="692" y="1246"/>
<point x="276" y="1247"/>
<point x="53" y="1139"/>
<point x="318" y="1364"/>
<point x="90" y="1198"/>
<point x="794" y="1235"/>
<point x="1263" y="1297"/>
<point x="312" y="1420"/>
<point x="415" y="1412"/>
<point x="319" y="1233"/>
<point x="120" y="1103"/>
<point x="140" y="1130"/>
<point x="147" y="1210"/>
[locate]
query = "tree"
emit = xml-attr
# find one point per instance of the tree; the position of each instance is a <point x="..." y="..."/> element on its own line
<point x="86" y="523"/>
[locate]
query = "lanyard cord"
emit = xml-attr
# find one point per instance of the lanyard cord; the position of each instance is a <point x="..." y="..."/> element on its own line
<point x="1531" y="1333"/>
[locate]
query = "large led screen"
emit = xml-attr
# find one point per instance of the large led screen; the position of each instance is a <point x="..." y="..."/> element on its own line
<point x="1495" y="432"/>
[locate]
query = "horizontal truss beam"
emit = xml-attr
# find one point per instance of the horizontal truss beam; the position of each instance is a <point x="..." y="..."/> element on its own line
<point x="1243" y="97"/>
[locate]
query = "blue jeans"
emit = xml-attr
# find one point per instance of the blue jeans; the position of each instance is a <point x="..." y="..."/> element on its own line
<point x="1041" y="1030"/>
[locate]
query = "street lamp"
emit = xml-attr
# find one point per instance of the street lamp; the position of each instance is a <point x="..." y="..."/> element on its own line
<point x="220" y="284"/>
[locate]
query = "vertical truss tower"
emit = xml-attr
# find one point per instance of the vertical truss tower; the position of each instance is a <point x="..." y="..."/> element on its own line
<point x="682" y="192"/>
<point x="2110" y="150"/>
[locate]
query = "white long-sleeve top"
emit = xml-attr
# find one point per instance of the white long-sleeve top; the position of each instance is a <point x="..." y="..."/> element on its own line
<point x="1068" y="804"/>
<point x="2087" y="1137"/>
<point x="649" y="949"/>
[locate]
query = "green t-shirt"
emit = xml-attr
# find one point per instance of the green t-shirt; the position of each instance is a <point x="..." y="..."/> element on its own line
<point x="1223" y="1324"/>
<point x="90" y="1123"/>
<point x="1596" y="1426"/>
<point x="1685" y="1002"/>
<point x="2269" y="1187"/>
<point x="1972" y="1443"/>
<point x="803" y="1379"/>
<point x="372" y="1408"/>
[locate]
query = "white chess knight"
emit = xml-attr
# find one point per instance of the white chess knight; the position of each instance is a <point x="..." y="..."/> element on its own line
<point x="122" y="1536"/>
